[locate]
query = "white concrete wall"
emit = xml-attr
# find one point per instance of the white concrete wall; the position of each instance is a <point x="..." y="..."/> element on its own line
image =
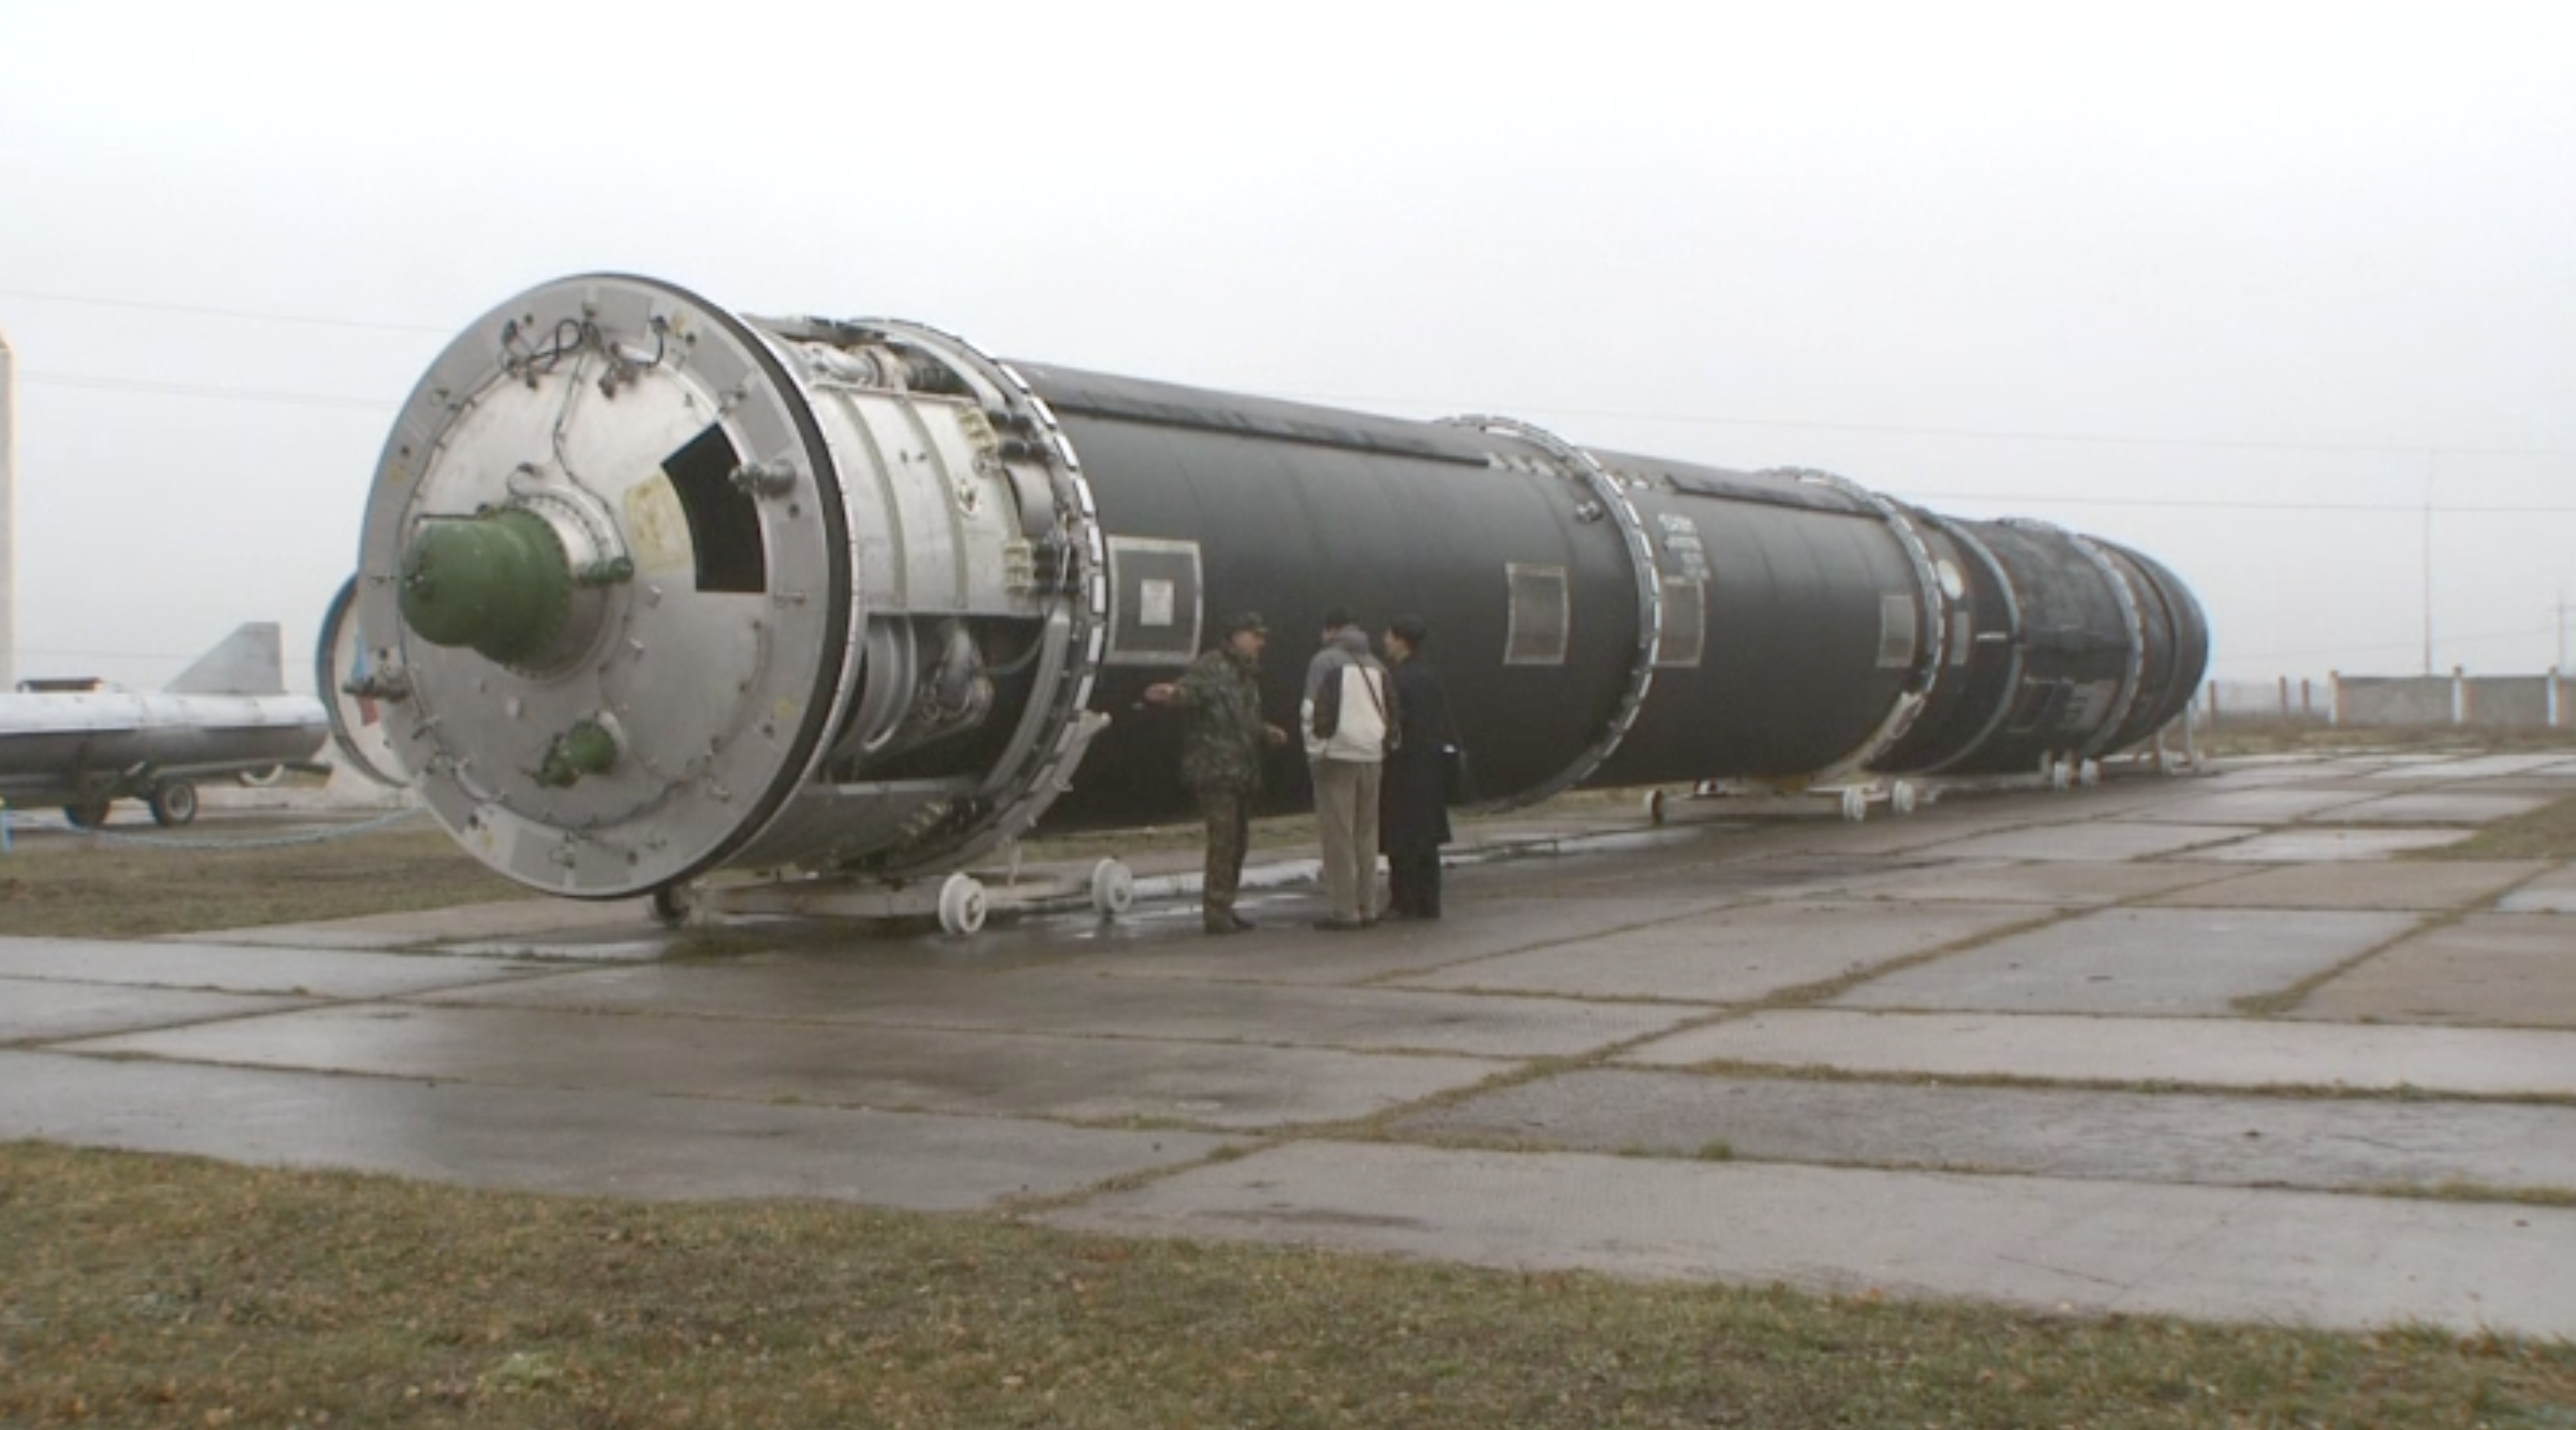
<point x="2513" y="702"/>
<point x="2303" y="700"/>
<point x="8" y="516"/>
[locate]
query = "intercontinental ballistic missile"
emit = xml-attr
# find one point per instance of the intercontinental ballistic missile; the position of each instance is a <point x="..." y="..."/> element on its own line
<point x="648" y="588"/>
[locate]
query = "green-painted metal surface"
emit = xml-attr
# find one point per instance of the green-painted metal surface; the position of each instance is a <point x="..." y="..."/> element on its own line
<point x="497" y="582"/>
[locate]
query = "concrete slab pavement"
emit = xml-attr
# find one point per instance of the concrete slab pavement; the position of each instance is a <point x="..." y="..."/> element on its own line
<point x="2553" y="892"/>
<point x="2165" y="962"/>
<point x="2475" y="767"/>
<point x="1101" y="1065"/>
<point x="297" y="971"/>
<point x="2046" y="1243"/>
<point x="37" y="1012"/>
<point x="2270" y="804"/>
<point x="2305" y="846"/>
<point x="2270" y="771"/>
<point x="2426" y="1144"/>
<point x="1283" y="950"/>
<point x="513" y="918"/>
<point x="2109" y="842"/>
<point x="598" y="1142"/>
<point x="1226" y="1085"/>
<point x="2506" y="970"/>
<point x="1071" y="1002"/>
<point x="2426" y="885"/>
<point x="1733" y="955"/>
<point x="2071" y="885"/>
<point x="2182" y="1052"/>
<point x="2431" y="807"/>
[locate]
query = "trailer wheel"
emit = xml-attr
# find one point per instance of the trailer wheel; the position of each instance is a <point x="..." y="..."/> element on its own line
<point x="86" y="816"/>
<point x="174" y="802"/>
<point x="1113" y="888"/>
<point x="961" y="904"/>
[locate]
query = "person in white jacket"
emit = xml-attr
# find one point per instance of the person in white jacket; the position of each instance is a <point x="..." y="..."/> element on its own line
<point x="1346" y="716"/>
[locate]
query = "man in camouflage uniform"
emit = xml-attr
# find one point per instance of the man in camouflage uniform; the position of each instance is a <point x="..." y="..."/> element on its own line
<point x="1221" y="752"/>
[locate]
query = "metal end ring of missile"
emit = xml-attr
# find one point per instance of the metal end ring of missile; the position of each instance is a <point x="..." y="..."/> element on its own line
<point x="645" y="588"/>
<point x="1611" y="499"/>
<point x="574" y="602"/>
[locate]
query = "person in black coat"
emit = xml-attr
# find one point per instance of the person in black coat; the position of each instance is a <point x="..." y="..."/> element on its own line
<point x="1413" y="809"/>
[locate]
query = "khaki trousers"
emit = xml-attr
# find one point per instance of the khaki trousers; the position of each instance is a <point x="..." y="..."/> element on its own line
<point x="1346" y="794"/>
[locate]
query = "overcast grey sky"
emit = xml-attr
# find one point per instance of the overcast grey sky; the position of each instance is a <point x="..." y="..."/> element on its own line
<point x="2243" y="285"/>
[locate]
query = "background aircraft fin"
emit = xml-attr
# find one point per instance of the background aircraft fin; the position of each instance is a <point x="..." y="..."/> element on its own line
<point x="250" y="661"/>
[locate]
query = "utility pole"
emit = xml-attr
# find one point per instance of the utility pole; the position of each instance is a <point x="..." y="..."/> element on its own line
<point x="2431" y="455"/>
<point x="8" y="520"/>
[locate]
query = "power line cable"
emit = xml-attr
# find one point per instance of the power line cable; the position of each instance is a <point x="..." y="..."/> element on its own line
<point x="239" y="314"/>
<point x="1607" y="413"/>
<point x="2416" y="643"/>
<point x="368" y="404"/>
<point x="2230" y="504"/>
<point x="53" y="654"/>
<point x="202" y="390"/>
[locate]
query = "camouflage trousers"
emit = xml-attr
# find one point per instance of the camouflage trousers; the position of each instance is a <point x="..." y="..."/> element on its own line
<point x="1229" y="831"/>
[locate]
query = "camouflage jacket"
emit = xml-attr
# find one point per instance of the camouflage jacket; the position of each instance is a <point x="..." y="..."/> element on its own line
<point x="1226" y="736"/>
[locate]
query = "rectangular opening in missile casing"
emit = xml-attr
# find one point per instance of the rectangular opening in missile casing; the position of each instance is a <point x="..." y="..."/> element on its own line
<point x="1685" y="623"/>
<point x="2037" y="704"/>
<point x="1154" y="603"/>
<point x="1895" y="632"/>
<point x="1540" y="615"/>
<point x="724" y="520"/>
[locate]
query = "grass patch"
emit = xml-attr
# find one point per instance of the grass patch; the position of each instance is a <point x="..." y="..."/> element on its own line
<point x="2548" y="832"/>
<point x="149" y="1290"/>
<point x="63" y="886"/>
<point x="2305" y="1092"/>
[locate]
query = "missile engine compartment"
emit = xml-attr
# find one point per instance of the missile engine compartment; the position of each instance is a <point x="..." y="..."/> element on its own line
<point x="647" y="588"/>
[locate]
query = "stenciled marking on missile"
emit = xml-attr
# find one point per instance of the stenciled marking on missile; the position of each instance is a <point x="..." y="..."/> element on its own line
<point x="1682" y="543"/>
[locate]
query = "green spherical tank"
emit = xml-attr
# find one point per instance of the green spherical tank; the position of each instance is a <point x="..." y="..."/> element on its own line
<point x="497" y="582"/>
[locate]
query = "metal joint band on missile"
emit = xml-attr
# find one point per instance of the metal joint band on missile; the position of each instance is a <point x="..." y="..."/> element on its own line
<point x="648" y="588"/>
